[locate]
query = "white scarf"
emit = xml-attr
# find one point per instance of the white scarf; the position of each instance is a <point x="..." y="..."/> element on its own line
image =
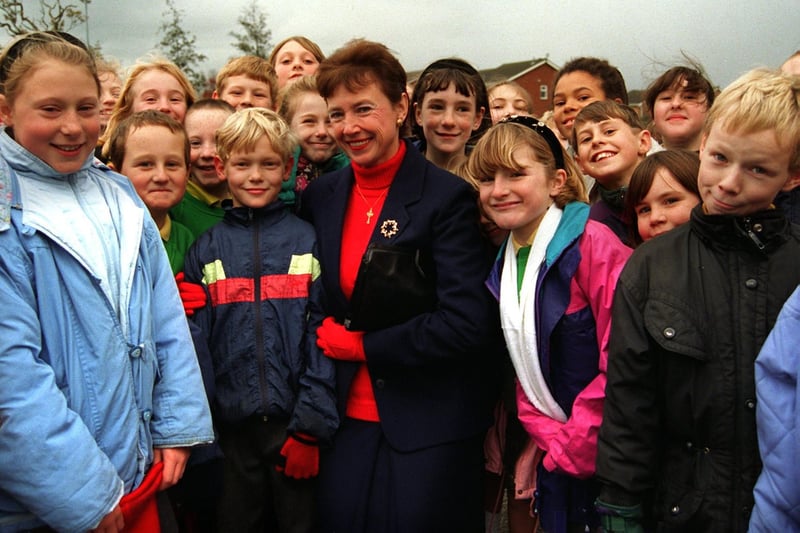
<point x="518" y="316"/>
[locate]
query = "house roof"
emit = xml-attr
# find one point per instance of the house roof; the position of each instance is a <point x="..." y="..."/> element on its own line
<point x="511" y="71"/>
<point x="506" y="71"/>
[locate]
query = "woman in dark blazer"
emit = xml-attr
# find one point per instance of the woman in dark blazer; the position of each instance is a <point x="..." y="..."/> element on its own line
<point x="415" y="376"/>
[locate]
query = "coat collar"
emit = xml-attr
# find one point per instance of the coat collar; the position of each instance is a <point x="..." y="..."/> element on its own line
<point x="758" y="233"/>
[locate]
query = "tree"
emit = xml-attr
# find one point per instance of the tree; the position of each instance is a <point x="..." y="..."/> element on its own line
<point x="53" y="15"/>
<point x="254" y="39"/>
<point x="178" y="45"/>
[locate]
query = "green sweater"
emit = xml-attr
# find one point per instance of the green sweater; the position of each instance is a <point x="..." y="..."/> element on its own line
<point x="180" y="239"/>
<point x="195" y="213"/>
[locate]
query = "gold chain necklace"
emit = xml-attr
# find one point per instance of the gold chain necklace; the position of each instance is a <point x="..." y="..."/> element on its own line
<point x="370" y="212"/>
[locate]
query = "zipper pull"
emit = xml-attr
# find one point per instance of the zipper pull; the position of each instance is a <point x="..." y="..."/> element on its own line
<point x="752" y="235"/>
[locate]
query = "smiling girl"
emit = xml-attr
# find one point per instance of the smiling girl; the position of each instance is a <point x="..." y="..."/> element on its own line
<point x="153" y="83"/>
<point x="301" y="105"/>
<point x="451" y="109"/>
<point x="295" y="57"/>
<point x="662" y="192"/>
<point x="554" y="280"/>
<point x="100" y="390"/>
<point x="678" y="101"/>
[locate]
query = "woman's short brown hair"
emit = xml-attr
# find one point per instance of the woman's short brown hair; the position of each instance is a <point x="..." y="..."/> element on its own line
<point x="359" y="63"/>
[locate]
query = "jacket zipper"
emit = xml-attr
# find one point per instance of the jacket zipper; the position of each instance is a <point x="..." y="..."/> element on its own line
<point x="259" y="329"/>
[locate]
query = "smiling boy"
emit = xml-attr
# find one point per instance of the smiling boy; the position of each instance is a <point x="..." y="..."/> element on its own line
<point x="609" y="142"/>
<point x="274" y="401"/>
<point x="678" y="448"/>
<point x="151" y="149"/>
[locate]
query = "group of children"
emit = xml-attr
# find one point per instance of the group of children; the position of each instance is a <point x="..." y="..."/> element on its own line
<point x="634" y="371"/>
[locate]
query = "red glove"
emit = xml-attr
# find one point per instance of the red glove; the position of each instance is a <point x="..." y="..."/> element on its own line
<point x="337" y="342"/>
<point x="139" y="508"/>
<point x="302" y="457"/>
<point x="193" y="295"/>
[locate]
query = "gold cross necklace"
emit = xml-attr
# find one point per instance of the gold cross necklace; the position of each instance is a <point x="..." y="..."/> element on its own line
<point x="370" y="212"/>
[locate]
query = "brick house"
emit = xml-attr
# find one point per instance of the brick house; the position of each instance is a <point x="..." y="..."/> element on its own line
<point x="536" y="76"/>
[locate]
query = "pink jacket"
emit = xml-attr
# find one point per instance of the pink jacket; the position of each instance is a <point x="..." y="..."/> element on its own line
<point x="598" y="256"/>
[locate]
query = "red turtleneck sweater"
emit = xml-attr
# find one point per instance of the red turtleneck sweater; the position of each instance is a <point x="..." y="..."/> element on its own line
<point x="373" y="183"/>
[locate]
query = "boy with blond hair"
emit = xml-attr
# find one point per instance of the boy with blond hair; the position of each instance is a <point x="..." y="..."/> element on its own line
<point x="609" y="143"/>
<point x="274" y="402"/>
<point x="677" y="447"/>
<point x="247" y="81"/>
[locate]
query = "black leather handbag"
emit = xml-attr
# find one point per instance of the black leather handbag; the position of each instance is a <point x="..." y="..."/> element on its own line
<point x="392" y="287"/>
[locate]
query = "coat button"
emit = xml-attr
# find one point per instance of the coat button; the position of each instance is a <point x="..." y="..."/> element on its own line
<point x="379" y="383"/>
<point x="675" y="510"/>
<point x="750" y="403"/>
<point x="136" y="352"/>
<point x="751" y="283"/>
<point x="146" y="415"/>
<point x="669" y="333"/>
<point x="758" y="228"/>
<point x="689" y="446"/>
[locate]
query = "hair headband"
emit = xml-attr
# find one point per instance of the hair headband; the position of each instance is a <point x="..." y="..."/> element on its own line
<point x="546" y="133"/>
<point x="22" y="43"/>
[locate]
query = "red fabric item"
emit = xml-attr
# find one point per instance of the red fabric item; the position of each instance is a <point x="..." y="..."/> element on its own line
<point x="139" y="508"/>
<point x="361" y="403"/>
<point x="337" y="342"/>
<point x="302" y="458"/>
<point x="193" y="295"/>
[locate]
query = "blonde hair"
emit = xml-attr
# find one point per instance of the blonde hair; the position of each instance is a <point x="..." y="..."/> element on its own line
<point x="241" y="131"/>
<point x="761" y="100"/>
<point x="24" y="54"/>
<point x="124" y="106"/>
<point x="288" y="96"/>
<point x="495" y="151"/>
<point x="253" y="67"/>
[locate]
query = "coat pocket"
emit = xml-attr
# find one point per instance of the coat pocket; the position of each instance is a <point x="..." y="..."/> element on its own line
<point x="675" y="329"/>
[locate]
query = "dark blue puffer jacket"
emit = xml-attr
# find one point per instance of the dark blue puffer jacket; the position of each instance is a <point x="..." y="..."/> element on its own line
<point x="261" y="272"/>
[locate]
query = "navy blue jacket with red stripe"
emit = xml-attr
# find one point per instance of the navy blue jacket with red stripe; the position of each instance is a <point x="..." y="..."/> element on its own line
<point x="261" y="273"/>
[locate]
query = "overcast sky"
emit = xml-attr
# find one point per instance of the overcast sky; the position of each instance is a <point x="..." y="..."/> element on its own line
<point x="641" y="38"/>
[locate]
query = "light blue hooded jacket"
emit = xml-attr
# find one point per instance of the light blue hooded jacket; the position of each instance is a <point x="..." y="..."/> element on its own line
<point x="86" y="392"/>
<point x="777" y="491"/>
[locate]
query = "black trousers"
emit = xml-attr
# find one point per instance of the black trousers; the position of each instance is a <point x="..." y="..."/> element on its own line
<point x="255" y="497"/>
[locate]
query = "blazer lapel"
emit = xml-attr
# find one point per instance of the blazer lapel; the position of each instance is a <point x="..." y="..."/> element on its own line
<point x="406" y="189"/>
